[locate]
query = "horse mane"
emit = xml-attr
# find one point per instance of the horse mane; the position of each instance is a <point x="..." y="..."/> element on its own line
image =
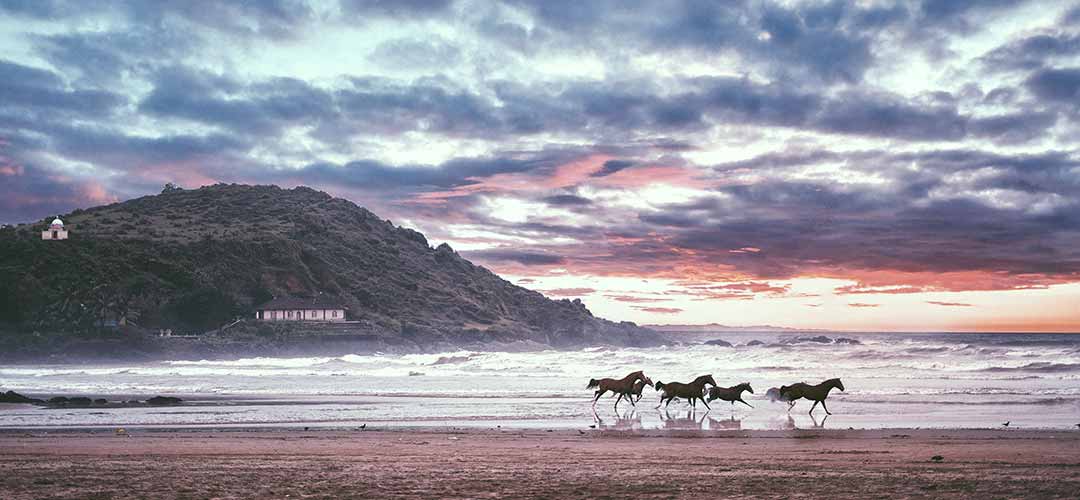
<point x="702" y="380"/>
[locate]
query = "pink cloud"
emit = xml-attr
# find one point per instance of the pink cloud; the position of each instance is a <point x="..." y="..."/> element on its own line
<point x="635" y="299"/>
<point x="948" y="304"/>
<point x="659" y="310"/>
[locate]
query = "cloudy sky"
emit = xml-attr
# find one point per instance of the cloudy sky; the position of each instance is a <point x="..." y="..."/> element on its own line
<point x="826" y="164"/>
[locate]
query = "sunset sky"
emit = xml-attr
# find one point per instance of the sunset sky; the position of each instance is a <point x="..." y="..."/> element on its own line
<point x="861" y="165"/>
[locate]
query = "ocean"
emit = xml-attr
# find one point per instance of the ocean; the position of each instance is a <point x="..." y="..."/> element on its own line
<point x="891" y="380"/>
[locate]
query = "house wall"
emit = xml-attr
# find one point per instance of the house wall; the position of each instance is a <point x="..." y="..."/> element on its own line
<point x="332" y="315"/>
<point x="60" y="234"/>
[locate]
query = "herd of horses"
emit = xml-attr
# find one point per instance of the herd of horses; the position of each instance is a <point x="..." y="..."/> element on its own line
<point x="632" y="385"/>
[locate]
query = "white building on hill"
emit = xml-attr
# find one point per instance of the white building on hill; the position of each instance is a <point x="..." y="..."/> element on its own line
<point x="320" y="308"/>
<point x="56" y="231"/>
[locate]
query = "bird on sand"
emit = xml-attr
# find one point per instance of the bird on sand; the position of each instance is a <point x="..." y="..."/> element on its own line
<point x="362" y="427"/>
<point x="1006" y="424"/>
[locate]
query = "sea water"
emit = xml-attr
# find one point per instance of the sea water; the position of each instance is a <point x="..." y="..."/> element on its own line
<point x="891" y="381"/>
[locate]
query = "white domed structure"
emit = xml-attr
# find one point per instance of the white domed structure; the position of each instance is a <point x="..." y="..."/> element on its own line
<point x="56" y="231"/>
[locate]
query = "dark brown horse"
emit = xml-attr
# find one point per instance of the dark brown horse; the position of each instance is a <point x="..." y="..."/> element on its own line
<point x="691" y="392"/>
<point x="731" y="394"/>
<point x="636" y="390"/>
<point x="622" y="387"/>
<point x="815" y="393"/>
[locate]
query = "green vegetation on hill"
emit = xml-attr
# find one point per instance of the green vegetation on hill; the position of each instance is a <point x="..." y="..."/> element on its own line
<point x="193" y="260"/>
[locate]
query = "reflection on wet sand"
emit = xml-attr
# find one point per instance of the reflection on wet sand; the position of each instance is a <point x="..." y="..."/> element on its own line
<point x="689" y="422"/>
<point x="730" y="424"/>
<point x="788" y="424"/>
<point x="627" y="421"/>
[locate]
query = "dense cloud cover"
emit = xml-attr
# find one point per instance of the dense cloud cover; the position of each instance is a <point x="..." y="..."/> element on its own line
<point x="728" y="149"/>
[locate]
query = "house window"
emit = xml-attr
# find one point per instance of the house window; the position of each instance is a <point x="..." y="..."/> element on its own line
<point x="334" y="313"/>
<point x="290" y="314"/>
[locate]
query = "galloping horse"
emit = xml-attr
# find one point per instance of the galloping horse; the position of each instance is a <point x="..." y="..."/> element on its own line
<point x="731" y="394"/>
<point x="622" y="386"/>
<point x="691" y="392"/>
<point x="636" y="390"/>
<point x="815" y="393"/>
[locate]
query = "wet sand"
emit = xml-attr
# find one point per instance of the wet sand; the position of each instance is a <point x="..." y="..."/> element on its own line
<point x="504" y="463"/>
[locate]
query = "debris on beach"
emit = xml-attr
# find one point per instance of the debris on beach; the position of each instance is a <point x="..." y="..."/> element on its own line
<point x="937" y="458"/>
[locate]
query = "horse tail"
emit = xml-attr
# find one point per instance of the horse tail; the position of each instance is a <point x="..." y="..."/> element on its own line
<point x="593" y="383"/>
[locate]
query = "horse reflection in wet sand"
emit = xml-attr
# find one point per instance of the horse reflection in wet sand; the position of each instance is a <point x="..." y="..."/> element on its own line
<point x="816" y="393"/>
<point x="725" y="425"/>
<point x="623" y="387"/>
<point x="626" y="422"/>
<point x="688" y="423"/>
<point x="691" y="392"/>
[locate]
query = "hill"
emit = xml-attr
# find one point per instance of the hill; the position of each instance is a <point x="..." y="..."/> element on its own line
<point x="194" y="260"/>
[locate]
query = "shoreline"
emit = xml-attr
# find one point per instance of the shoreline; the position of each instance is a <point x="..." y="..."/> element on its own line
<point x="470" y="463"/>
<point x="980" y="433"/>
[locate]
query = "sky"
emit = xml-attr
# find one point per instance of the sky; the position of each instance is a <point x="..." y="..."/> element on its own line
<point x="853" y="165"/>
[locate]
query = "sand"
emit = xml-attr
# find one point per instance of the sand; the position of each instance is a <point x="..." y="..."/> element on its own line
<point x="504" y="463"/>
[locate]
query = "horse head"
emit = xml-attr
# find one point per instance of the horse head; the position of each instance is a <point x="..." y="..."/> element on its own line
<point x="835" y="382"/>
<point x="647" y="380"/>
<point x="746" y="387"/>
<point x="704" y="380"/>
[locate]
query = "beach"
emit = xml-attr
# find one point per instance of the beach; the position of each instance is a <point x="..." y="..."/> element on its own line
<point x="505" y="463"/>
<point x="496" y="424"/>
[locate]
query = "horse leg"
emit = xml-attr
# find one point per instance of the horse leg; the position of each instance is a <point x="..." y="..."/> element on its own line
<point x="599" y="392"/>
<point x="826" y="407"/>
<point x="631" y="399"/>
<point x="812" y="407"/>
<point x="706" y="403"/>
<point x="790" y="405"/>
<point x="743" y="402"/>
<point x="617" y="403"/>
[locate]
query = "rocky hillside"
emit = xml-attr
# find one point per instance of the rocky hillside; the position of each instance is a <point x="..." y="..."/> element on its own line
<point x="193" y="260"/>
